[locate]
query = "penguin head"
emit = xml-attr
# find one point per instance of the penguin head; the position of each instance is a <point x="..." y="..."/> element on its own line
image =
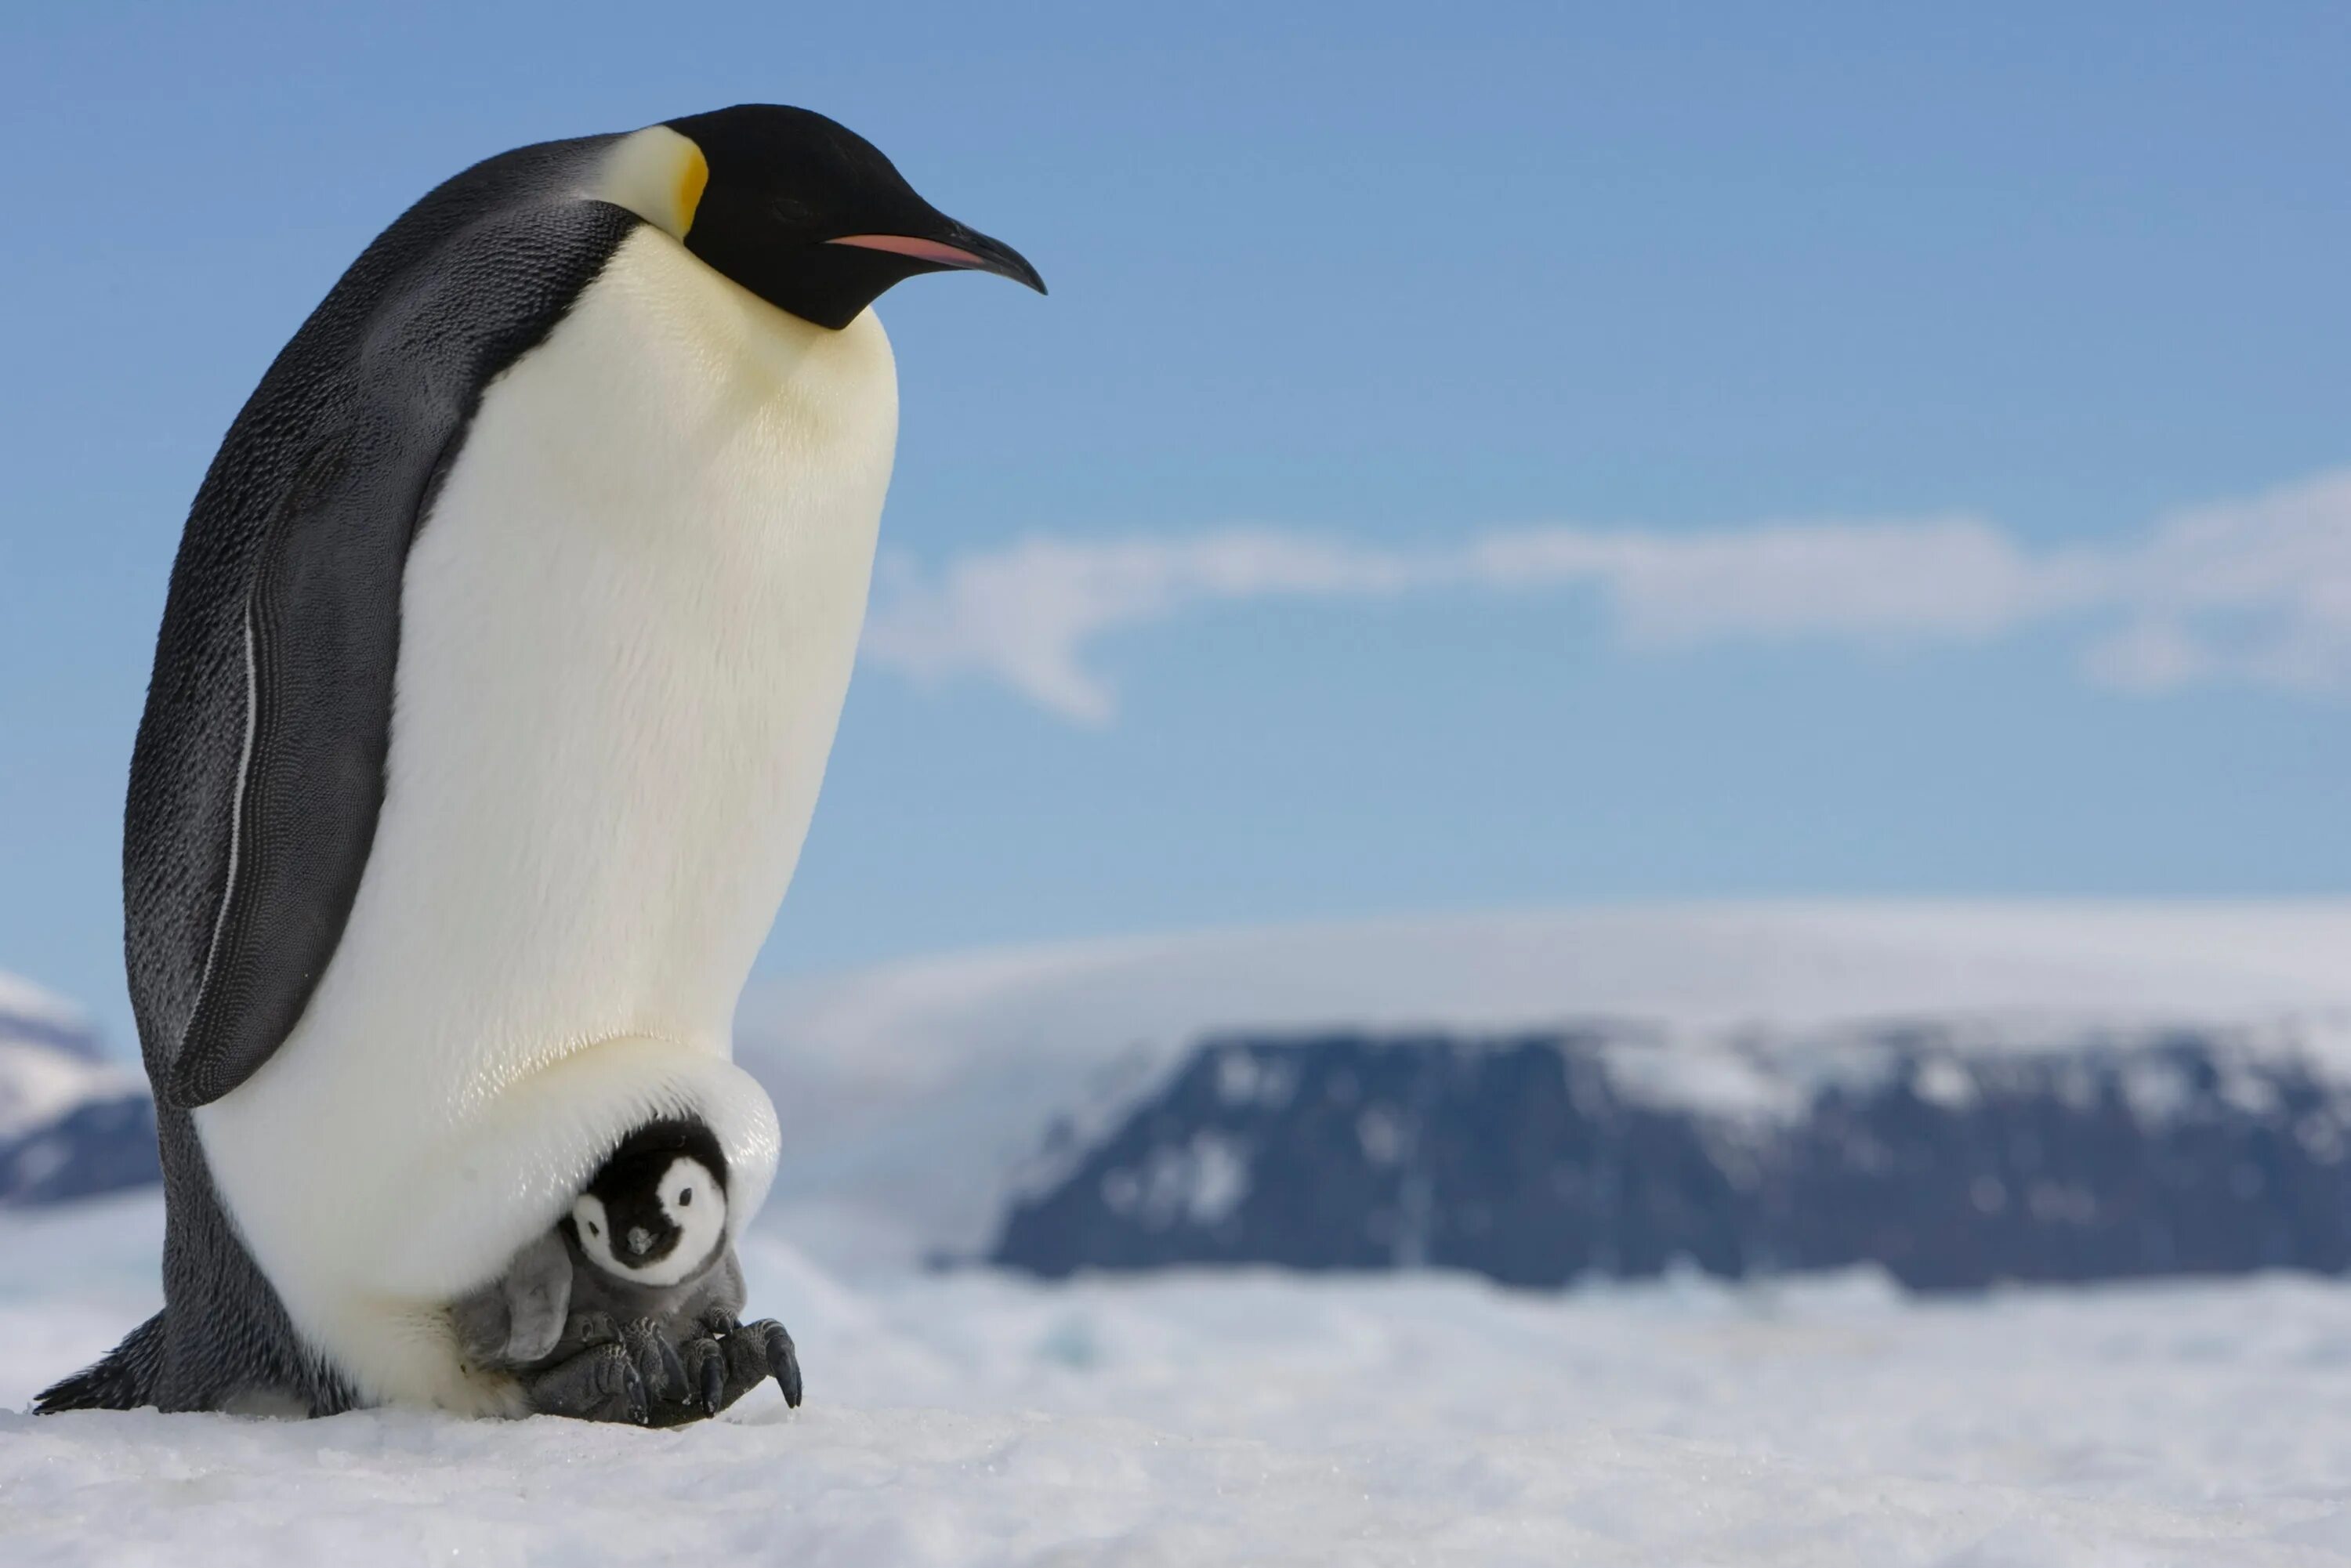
<point x="810" y="216"/>
<point x="655" y="1212"/>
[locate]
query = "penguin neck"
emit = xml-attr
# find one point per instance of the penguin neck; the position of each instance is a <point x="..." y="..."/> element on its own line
<point x="828" y="383"/>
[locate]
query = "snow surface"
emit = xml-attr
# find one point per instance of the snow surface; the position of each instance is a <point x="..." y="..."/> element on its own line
<point x="918" y="1092"/>
<point x="1190" y="1419"/>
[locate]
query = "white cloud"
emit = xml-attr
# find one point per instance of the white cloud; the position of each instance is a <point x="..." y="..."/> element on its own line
<point x="2256" y="590"/>
<point x="1024" y="614"/>
<point x="1882" y="581"/>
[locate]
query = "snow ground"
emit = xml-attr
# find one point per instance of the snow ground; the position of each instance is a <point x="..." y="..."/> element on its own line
<point x="1195" y="1419"/>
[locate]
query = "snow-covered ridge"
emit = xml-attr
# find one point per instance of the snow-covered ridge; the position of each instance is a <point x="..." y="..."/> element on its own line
<point x="914" y="1096"/>
<point x="50" y="1059"/>
<point x="1953" y="1159"/>
<point x="32" y="1016"/>
<point x="40" y="1083"/>
<point x="72" y="1122"/>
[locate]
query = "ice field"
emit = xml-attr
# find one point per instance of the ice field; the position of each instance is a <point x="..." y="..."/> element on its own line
<point x="970" y="1420"/>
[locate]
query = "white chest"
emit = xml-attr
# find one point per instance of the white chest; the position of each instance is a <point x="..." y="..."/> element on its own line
<point x="626" y="632"/>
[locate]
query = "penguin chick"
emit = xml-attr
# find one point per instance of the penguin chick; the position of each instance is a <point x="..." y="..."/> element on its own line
<point x="628" y="1310"/>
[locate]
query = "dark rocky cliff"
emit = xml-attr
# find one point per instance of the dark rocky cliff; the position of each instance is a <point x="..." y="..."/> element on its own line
<point x="1535" y="1159"/>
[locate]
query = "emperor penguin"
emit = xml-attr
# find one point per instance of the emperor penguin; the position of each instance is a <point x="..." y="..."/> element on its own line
<point x="501" y="658"/>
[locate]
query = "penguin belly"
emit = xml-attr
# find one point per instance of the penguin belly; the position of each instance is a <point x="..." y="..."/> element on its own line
<point x="627" y="627"/>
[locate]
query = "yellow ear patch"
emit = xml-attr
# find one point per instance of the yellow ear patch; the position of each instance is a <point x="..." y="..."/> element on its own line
<point x="657" y="174"/>
<point x="691" y="182"/>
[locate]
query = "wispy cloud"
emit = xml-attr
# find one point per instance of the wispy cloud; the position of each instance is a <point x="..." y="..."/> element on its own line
<point x="2256" y="590"/>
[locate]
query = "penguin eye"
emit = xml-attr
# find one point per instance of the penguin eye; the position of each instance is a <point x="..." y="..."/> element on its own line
<point x="684" y="1196"/>
<point x="592" y="1230"/>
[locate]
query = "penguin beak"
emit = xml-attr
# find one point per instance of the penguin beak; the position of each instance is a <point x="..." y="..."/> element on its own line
<point x="963" y="249"/>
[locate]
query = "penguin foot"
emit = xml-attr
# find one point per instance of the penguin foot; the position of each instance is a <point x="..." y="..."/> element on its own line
<point x="656" y="1360"/>
<point x="727" y="1360"/>
<point x="649" y="1349"/>
<point x="600" y="1384"/>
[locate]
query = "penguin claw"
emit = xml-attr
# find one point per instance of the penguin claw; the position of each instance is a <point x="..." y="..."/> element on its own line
<point x="714" y="1385"/>
<point x="783" y="1360"/>
<point x="707" y="1373"/>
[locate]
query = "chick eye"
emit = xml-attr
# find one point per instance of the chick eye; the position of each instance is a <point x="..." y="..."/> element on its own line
<point x="592" y="1230"/>
<point x="684" y="1196"/>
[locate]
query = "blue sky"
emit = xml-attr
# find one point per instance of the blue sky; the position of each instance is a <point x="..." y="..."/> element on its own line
<point x="1508" y="456"/>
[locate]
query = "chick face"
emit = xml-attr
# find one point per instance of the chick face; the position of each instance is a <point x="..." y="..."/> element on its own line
<point x="653" y="1215"/>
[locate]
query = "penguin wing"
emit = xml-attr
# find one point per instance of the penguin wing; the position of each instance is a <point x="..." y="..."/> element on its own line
<point x="259" y="772"/>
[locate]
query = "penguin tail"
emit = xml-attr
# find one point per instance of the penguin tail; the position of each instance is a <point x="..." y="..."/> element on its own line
<point x="124" y="1379"/>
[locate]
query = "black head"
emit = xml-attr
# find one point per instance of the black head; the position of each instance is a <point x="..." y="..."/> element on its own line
<point x="810" y="216"/>
<point x="657" y="1209"/>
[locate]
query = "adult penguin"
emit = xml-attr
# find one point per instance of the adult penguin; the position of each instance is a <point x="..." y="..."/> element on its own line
<point x="502" y="655"/>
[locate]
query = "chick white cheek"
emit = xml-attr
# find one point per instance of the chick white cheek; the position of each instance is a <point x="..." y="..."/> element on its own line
<point x="694" y="1201"/>
<point x="689" y="1193"/>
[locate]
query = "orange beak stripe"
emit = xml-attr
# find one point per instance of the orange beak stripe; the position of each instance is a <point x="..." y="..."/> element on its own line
<point x="921" y="249"/>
